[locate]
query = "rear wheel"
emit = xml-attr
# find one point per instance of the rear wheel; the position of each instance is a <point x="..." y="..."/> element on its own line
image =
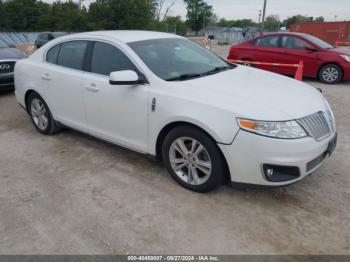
<point x="41" y="115"/>
<point x="193" y="159"/>
<point x="331" y="74"/>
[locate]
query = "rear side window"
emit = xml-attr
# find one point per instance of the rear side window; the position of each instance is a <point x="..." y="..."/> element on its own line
<point x="268" y="41"/>
<point x="72" y="54"/>
<point x="52" y="54"/>
<point x="107" y="58"/>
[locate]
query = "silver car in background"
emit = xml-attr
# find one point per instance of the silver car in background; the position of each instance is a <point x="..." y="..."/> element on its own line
<point x="8" y="58"/>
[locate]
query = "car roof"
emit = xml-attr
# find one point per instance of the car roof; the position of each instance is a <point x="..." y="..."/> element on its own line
<point x="284" y="33"/>
<point x="128" y="36"/>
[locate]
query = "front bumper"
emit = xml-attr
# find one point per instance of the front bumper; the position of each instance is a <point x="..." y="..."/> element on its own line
<point x="6" y="81"/>
<point x="248" y="154"/>
<point x="346" y="68"/>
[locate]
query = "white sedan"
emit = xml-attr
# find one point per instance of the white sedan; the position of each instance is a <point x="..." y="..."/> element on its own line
<point x="209" y="121"/>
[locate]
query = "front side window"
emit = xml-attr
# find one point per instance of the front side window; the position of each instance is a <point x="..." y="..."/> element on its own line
<point x="292" y="42"/>
<point x="107" y="58"/>
<point x="268" y="41"/>
<point x="72" y="54"/>
<point x="178" y="59"/>
<point x="318" y="41"/>
<point x="52" y="54"/>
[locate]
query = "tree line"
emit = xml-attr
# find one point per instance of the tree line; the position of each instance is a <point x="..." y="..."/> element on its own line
<point x="35" y="15"/>
<point x="272" y="22"/>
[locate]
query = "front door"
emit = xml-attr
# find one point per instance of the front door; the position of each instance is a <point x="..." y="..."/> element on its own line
<point x="295" y="49"/>
<point x="117" y="113"/>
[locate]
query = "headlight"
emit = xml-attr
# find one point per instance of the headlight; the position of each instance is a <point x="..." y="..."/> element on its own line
<point x="330" y="115"/>
<point x="346" y="57"/>
<point x="286" y="130"/>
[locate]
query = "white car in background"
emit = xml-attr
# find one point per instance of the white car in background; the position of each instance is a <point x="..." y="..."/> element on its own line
<point x="209" y="121"/>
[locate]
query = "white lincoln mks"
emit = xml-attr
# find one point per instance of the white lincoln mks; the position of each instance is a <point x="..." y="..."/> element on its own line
<point x="208" y="120"/>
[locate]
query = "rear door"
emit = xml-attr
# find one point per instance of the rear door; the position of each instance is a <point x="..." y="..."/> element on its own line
<point x="295" y="49"/>
<point x="64" y="73"/>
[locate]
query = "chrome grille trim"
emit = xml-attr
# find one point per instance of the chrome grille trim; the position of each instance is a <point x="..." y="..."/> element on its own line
<point x="316" y="125"/>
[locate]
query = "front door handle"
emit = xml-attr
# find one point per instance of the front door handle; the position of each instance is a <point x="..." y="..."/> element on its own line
<point x="92" y="88"/>
<point x="46" y="76"/>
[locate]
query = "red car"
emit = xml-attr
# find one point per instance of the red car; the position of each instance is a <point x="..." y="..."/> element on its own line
<point x="321" y="60"/>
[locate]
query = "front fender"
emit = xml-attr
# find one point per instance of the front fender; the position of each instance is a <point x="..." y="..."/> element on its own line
<point x="220" y="124"/>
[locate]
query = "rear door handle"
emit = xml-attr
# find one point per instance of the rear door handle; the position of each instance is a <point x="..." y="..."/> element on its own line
<point x="92" y="88"/>
<point x="46" y="76"/>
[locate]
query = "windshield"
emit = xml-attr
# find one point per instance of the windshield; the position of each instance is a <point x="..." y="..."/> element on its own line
<point x="2" y="44"/>
<point x="318" y="42"/>
<point x="177" y="59"/>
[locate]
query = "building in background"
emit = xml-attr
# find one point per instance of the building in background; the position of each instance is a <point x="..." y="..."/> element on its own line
<point x="335" y="33"/>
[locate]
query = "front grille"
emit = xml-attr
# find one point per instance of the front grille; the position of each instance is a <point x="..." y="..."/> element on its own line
<point x="316" y="125"/>
<point x="7" y="67"/>
<point x="316" y="162"/>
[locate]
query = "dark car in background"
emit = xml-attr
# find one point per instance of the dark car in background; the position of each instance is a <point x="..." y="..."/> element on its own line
<point x="321" y="60"/>
<point x="46" y="37"/>
<point x="8" y="58"/>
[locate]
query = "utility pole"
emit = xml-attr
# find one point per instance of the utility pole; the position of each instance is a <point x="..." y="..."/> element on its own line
<point x="263" y="17"/>
<point x="259" y="17"/>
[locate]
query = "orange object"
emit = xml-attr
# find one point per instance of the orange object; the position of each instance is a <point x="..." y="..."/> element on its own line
<point x="247" y="124"/>
<point x="331" y="32"/>
<point x="339" y="43"/>
<point x="298" y="75"/>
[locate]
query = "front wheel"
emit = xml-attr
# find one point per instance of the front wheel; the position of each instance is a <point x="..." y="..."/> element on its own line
<point x="193" y="159"/>
<point x="331" y="74"/>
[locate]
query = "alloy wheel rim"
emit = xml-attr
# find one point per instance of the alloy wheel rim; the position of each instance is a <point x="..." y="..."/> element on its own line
<point x="190" y="161"/>
<point x="330" y="74"/>
<point x="39" y="114"/>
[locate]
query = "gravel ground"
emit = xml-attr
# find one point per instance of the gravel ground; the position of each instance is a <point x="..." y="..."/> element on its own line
<point x="73" y="194"/>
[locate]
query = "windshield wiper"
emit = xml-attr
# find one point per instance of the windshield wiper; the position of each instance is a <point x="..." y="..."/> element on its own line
<point x="184" y="77"/>
<point x="217" y="70"/>
<point x="196" y="75"/>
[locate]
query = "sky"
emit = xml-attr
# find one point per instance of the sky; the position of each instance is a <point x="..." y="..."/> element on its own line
<point x="238" y="9"/>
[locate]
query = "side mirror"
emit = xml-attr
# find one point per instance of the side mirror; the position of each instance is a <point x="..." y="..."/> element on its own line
<point x="310" y="48"/>
<point x="127" y="77"/>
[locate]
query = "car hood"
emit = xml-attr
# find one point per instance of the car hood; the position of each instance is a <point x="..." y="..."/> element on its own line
<point x="11" y="53"/>
<point x="341" y="50"/>
<point x="254" y="93"/>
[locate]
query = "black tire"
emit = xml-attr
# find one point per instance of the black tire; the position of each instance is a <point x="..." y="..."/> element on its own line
<point x="52" y="127"/>
<point x="217" y="173"/>
<point x="330" y="74"/>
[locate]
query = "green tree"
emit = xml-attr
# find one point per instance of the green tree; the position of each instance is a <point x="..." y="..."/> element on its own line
<point x="121" y="14"/>
<point x="67" y="16"/>
<point x="272" y="23"/>
<point x="296" y="19"/>
<point x="319" y="19"/>
<point x="198" y="14"/>
<point x="242" y="23"/>
<point x="19" y="15"/>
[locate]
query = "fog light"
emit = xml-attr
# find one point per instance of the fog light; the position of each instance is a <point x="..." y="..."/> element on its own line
<point x="269" y="172"/>
<point x="280" y="173"/>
